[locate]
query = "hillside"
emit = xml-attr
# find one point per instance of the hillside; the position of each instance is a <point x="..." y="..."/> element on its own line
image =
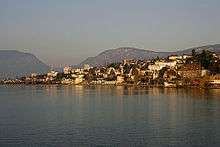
<point x="16" y="64"/>
<point x="117" y="55"/>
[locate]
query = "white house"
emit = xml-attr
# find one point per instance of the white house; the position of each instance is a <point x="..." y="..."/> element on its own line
<point x="52" y="74"/>
<point x="78" y="80"/>
<point x="67" y="70"/>
<point x="175" y="57"/>
<point x="67" y="81"/>
<point x="215" y="79"/>
<point x="120" y="79"/>
<point x="159" y="65"/>
<point x="86" y="67"/>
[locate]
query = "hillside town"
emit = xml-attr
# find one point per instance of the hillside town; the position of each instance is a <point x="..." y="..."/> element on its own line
<point x="194" y="70"/>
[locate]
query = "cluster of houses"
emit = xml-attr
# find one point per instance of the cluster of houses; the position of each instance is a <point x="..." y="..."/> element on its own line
<point x="169" y="72"/>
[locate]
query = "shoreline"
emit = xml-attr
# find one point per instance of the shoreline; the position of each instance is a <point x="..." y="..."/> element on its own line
<point x="116" y="85"/>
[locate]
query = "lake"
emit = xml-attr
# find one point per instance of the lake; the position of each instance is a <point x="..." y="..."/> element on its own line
<point x="55" y="115"/>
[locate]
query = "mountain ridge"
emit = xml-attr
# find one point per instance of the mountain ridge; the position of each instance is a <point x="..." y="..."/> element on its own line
<point x="117" y="55"/>
<point x="15" y="63"/>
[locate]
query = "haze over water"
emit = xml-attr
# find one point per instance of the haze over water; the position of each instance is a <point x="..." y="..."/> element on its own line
<point x="108" y="116"/>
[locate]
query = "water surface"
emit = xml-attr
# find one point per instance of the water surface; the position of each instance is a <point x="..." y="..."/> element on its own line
<point x="108" y="116"/>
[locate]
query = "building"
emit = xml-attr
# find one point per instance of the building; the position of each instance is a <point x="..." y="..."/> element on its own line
<point x="67" y="81"/>
<point x="190" y="71"/>
<point x="67" y="70"/>
<point x="79" y="80"/>
<point x="179" y="58"/>
<point x="170" y="74"/>
<point x="52" y="74"/>
<point x="77" y="71"/>
<point x="160" y="64"/>
<point x="34" y="75"/>
<point x="215" y="80"/>
<point x="175" y="57"/>
<point x="186" y="57"/>
<point x="120" y="79"/>
<point x="154" y="67"/>
<point x="86" y="67"/>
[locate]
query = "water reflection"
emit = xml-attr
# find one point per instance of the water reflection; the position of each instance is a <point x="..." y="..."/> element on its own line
<point x="120" y="91"/>
<point x="108" y="115"/>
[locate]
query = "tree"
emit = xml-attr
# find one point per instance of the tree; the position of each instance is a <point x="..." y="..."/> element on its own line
<point x="193" y="53"/>
<point x="205" y="59"/>
<point x="162" y="71"/>
<point x="114" y="65"/>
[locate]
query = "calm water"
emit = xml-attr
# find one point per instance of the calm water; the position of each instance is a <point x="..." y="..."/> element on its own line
<point x="108" y="116"/>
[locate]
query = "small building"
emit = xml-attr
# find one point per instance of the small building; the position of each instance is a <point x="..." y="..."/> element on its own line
<point x="175" y="57"/>
<point x="170" y="74"/>
<point x="86" y="67"/>
<point x="79" y="80"/>
<point x="215" y="80"/>
<point x="111" y="71"/>
<point x="205" y="72"/>
<point x="109" y="82"/>
<point x="190" y="71"/>
<point x="34" y="75"/>
<point x="154" y="67"/>
<point x="186" y="56"/>
<point x="67" y="70"/>
<point x="52" y="74"/>
<point x="77" y="71"/>
<point x="120" y="79"/>
<point x="67" y="81"/>
<point x="159" y="65"/>
<point x="169" y="84"/>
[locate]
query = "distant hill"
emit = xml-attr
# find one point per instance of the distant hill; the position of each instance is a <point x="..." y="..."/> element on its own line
<point x="117" y="55"/>
<point x="16" y="64"/>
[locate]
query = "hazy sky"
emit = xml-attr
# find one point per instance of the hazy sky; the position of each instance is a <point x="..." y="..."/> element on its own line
<point x="68" y="31"/>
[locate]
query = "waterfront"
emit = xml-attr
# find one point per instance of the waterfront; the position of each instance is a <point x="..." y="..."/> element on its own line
<point x="56" y="115"/>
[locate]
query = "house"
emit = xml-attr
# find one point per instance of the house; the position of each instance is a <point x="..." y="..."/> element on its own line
<point x="190" y="71"/>
<point x="155" y="74"/>
<point x="34" y="75"/>
<point x="79" y="79"/>
<point x="51" y="75"/>
<point x="215" y="80"/>
<point x="77" y="71"/>
<point x="205" y="72"/>
<point x="170" y="74"/>
<point x="111" y="74"/>
<point x="169" y="84"/>
<point x="109" y="82"/>
<point x="120" y="80"/>
<point x="119" y="71"/>
<point x="86" y="67"/>
<point x="134" y="71"/>
<point x="67" y="70"/>
<point x="111" y="71"/>
<point x="186" y="57"/>
<point x="142" y="72"/>
<point x="160" y="64"/>
<point x="154" y="67"/>
<point x="175" y="57"/>
<point x="67" y="81"/>
<point x="171" y="64"/>
<point x="179" y="59"/>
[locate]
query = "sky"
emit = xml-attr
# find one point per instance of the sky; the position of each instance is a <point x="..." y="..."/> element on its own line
<point x="65" y="32"/>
